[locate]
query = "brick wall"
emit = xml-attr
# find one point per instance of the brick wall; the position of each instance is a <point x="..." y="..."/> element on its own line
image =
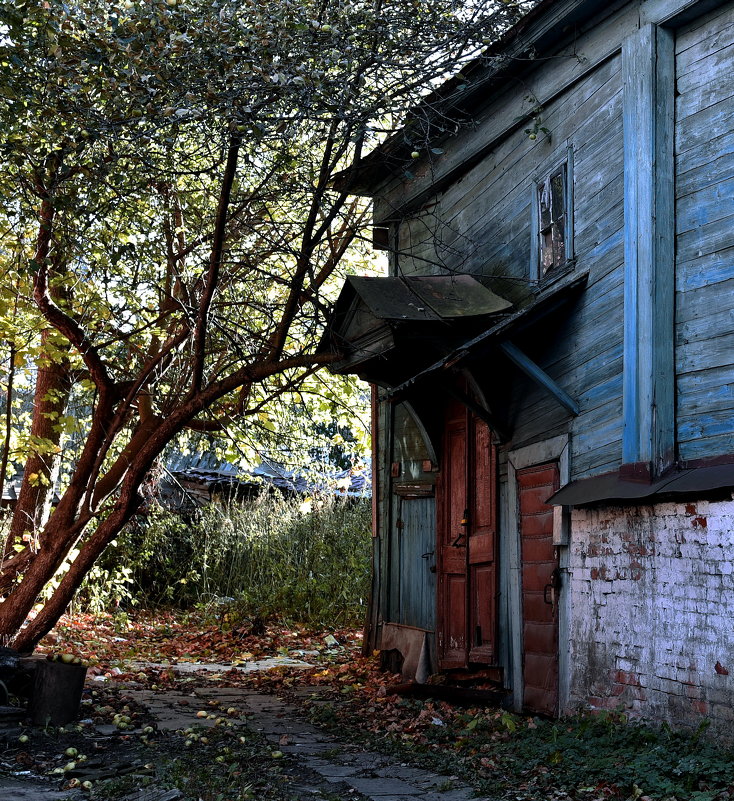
<point x="652" y="611"/>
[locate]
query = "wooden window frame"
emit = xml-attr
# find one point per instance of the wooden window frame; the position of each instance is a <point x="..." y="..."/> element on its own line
<point x="537" y="272"/>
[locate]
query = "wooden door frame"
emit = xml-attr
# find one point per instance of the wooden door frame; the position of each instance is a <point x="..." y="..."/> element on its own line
<point x="557" y="450"/>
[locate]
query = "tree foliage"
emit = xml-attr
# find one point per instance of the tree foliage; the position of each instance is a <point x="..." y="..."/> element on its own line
<point x="170" y="228"/>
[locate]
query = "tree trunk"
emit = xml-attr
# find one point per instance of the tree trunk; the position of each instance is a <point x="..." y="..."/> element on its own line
<point x="28" y="637"/>
<point x="41" y="468"/>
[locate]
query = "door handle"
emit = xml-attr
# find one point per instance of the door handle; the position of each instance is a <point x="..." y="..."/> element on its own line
<point x="462" y="534"/>
<point x="552" y="586"/>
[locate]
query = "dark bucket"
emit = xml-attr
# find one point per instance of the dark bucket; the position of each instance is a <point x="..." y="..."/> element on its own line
<point x="57" y="693"/>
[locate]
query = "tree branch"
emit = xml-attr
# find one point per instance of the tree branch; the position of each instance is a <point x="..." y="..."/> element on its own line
<point x="59" y="319"/>
<point x="215" y="261"/>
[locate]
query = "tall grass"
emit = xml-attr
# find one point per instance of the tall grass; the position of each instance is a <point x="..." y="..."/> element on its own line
<point x="272" y="555"/>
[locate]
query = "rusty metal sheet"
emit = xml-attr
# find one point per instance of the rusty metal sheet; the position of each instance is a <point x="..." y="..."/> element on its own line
<point x="611" y="487"/>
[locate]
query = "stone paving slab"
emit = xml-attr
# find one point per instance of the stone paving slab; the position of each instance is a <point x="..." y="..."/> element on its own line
<point x="418" y="776"/>
<point x="331" y="771"/>
<point x="349" y="771"/>
<point x="373" y="775"/>
<point x="254" y="666"/>
<point x="307" y="748"/>
<point x="379" y="788"/>
<point x="12" y="790"/>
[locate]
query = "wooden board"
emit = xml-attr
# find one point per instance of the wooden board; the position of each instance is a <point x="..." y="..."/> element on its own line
<point x="704" y="222"/>
<point x="416" y="562"/>
<point x="539" y="600"/>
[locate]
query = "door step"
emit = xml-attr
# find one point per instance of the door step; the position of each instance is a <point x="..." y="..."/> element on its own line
<point x="473" y="676"/>
<point x="452" y="694"/>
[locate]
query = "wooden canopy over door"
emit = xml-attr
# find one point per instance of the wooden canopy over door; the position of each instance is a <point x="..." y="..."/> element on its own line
<point x="467" y="620"/>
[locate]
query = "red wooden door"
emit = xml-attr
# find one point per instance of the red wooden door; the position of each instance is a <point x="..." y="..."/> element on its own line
<point x="466" y="543"/>
<point x="540" y="588"/>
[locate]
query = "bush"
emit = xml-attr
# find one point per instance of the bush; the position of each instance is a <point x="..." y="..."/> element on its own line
<point x="308" y="561"/>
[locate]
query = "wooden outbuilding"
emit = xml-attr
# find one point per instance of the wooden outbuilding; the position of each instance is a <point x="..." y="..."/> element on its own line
<point x="553" y="362"/>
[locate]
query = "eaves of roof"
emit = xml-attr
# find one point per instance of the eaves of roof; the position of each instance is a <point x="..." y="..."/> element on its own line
<point x="537" y="31"/>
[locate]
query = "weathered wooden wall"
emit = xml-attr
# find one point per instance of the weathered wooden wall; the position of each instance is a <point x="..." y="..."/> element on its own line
<point x="482" y="224"/>
<point x="705" y="236"/>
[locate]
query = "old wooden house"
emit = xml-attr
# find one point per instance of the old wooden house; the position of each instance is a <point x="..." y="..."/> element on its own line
<point x="553" y="361"/>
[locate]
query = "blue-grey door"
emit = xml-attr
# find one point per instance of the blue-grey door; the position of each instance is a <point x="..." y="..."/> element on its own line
<point x="415" y="540"/>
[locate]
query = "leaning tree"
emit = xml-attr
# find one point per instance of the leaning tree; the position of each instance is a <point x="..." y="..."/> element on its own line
<point x="170" y="227"/>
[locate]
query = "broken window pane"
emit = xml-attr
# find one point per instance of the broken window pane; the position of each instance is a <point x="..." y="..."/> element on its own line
<point x="552" y="218"/>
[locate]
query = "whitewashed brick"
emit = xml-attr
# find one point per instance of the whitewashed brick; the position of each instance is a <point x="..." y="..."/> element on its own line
<point x="652" y="609"/>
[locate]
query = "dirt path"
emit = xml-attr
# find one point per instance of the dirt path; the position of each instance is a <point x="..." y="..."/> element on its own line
<point x="234" y="743"/>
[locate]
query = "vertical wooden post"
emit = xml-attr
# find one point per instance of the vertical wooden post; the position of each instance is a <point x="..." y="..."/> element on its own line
<point x="648" y="70"/>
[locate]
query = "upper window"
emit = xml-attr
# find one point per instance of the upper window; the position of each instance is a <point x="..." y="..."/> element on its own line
<point x="552" y="213"/>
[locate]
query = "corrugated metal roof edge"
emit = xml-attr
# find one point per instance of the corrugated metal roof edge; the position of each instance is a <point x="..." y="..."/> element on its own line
<point x="612" y="488"/>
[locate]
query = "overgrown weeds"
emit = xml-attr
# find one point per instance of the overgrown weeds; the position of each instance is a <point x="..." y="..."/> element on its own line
<point x="594" y="757"/>
<point x="306" y="560"/>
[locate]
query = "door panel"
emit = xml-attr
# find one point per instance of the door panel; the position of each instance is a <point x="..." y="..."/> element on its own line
<point x="482" y="543"/>
<point x="467" y="543"/>
<point x="452" y="548"/>
<point x="416" y="544"/>
<point x="539" y="593"/>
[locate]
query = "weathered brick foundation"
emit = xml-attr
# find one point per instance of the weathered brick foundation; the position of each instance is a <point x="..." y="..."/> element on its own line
<point x="652" y="620"/>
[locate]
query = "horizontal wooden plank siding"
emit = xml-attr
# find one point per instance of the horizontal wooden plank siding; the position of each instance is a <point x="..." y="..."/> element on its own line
<point x="704" y="229"/>
<point x="482" y="224"/>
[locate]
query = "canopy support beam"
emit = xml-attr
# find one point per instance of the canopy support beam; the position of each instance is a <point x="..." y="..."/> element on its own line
<point x="531" y="369"/>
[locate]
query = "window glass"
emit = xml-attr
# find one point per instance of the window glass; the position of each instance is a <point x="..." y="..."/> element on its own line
<point x="552" y="195"/>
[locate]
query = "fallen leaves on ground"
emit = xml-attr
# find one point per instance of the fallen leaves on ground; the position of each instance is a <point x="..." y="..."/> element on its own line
<point x="589" y="758"/>
<point x="170" y="637"/>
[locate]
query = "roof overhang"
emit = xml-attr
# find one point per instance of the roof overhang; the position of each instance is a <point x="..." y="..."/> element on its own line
<point x="545" y="302"/>
<point x="547" y="24"/>
<point x="384" y="329"/>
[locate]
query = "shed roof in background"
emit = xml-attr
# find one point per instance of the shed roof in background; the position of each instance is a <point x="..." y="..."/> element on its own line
<point x="193" y="479"/>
